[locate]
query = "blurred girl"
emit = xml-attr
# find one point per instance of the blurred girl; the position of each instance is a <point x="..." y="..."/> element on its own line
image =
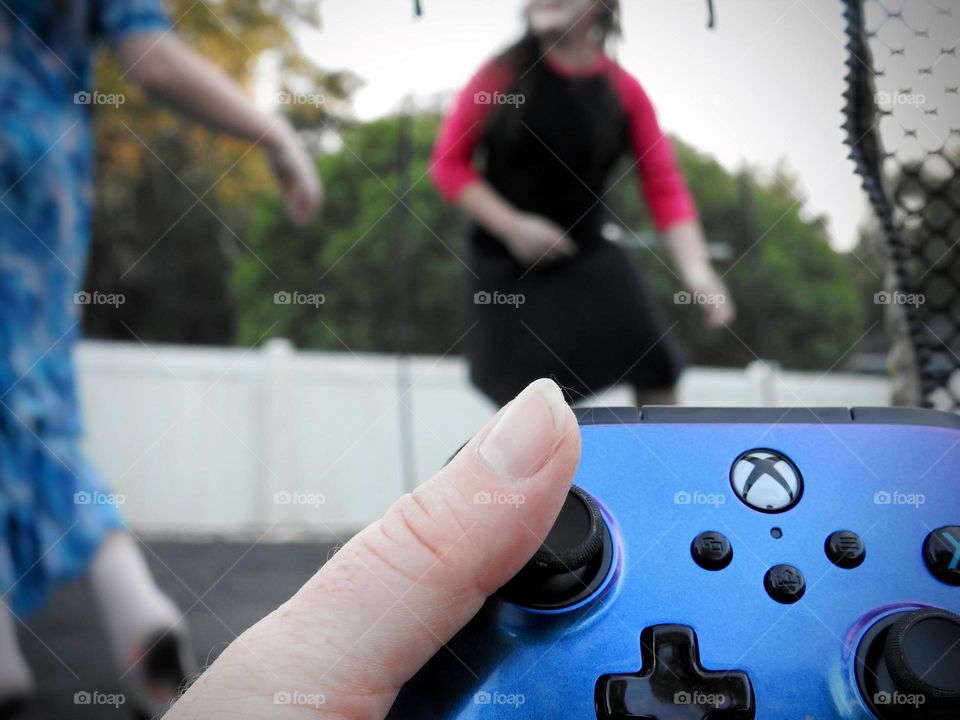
<point x="56" y="519"/>
<point x="551" y="116"/>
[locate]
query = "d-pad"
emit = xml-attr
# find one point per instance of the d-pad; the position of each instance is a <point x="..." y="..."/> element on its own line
<point x="672" y="685"/>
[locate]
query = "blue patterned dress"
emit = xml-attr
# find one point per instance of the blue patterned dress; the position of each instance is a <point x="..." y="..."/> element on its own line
<point x="53" y="513"/>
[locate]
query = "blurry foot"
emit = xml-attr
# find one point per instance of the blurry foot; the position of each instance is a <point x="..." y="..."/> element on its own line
<point x="158" y="672"/>
<point x="12" y="707"/>
<point x="147" y="635"/>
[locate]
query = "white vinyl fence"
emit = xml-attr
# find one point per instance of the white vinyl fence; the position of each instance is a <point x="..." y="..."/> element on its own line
<point x="228" y="441"/>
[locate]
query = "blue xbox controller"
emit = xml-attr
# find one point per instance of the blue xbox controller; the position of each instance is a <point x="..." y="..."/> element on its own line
<point x="721" y="564"/>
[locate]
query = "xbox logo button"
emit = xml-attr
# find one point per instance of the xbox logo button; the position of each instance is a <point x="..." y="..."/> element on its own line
<point x="766" y="481"/>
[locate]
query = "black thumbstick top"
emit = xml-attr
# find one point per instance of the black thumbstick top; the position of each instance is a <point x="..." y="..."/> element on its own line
<point x="571" y="563"/>
<point x="922" y="652"/>
<point x="908" y="666"/>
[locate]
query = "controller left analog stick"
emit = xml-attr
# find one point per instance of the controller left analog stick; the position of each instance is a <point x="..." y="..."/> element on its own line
<point x="572" y="562"/>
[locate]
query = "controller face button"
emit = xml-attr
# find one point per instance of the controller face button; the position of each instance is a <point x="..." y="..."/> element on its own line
<point x="941" y="552"/>
<point x="845" y="549"/>
<point x="766" y="480"/>
<point x="784" y="583"/>
<point x="711" y="550"/>
<point x="672" y="685"/>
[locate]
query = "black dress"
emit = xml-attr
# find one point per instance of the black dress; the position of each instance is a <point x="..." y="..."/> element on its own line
<point x="588" y="321"/>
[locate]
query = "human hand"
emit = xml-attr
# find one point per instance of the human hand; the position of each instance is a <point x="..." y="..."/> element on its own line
<point x="394" y="594"/>
<point x="295" y="172"/>
<point x="533" y="238"/>
<point x="712" y="295"/>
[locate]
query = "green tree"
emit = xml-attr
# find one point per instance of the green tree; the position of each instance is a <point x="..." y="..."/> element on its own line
<point x="350" y="253"/>
<point x="796" y="304"/>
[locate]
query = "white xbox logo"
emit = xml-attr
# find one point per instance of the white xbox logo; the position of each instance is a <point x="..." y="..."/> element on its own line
<point x="766" y="481"/>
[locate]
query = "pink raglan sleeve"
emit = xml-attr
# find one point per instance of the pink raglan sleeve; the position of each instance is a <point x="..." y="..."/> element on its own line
<point x="664" y="187"/>
<point x="451" y="163"/>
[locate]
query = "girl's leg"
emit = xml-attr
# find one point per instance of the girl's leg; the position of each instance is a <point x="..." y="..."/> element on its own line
<point x="16" y="680"/>
<point x="146" y="631"/>
<point x="133" y="608"/>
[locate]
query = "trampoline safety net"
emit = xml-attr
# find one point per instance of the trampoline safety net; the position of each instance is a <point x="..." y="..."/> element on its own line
<point x="903" y="128"/>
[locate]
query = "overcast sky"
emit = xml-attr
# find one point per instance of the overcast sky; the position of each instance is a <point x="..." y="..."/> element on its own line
<point x="764" y="85"/>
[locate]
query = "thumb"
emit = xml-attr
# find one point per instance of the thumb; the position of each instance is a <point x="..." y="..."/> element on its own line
<point x="405" y="585"/>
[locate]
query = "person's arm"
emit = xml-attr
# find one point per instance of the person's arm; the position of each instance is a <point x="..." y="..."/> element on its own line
<point x="173" y="74"/>
<point x="670" y="202"/>
<point x="529" y="238"/>
<point x="688" y="250"/>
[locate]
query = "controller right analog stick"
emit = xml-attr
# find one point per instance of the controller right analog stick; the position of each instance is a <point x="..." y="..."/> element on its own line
<point x="908" y="666"/>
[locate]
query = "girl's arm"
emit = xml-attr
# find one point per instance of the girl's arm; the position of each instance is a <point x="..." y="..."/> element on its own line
<point x="688" y="250"/>
<point x="671" y="205"/>
<point x="173" y="74"/>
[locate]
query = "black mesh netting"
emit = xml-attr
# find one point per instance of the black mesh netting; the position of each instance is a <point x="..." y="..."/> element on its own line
<point x="903" y="123"/>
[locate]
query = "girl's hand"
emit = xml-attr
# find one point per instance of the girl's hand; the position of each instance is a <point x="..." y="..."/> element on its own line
<point x="295" y="172"/>
<point x="533" y="238"/>
<point x="712" y="295"/>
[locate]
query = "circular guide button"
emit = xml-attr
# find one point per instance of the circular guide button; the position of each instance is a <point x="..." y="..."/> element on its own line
<point x="766" y="480"/>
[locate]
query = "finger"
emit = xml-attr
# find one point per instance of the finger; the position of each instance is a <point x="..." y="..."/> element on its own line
<point x="307" y="194"/>
<point x="717" y="316"/>
<point x="406" y="584"/>
<point x="562" y="246"/>
<point x="567" y="246"/>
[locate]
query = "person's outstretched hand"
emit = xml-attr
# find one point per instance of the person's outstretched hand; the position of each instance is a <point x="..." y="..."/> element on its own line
<point x="295" y="173"/>
<point x="714" y="298"/>
<point x="385" y="603"/>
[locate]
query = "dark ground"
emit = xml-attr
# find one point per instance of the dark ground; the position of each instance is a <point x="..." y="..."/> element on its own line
<point x="236" y="585"/>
